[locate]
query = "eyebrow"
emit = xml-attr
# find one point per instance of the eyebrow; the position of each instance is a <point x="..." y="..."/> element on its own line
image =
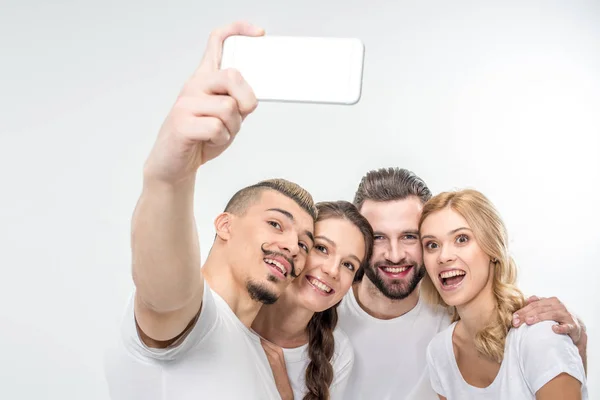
<point x="332" y="243"/>
<point x="452" y="232"/>
<point x="408" y="231"/>
<point x="291" y="218"/>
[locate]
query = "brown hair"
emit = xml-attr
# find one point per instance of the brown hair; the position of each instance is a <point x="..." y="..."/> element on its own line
<point x="243" y="198"/>
<point x="491" y="235"/>
<point x="389" y="184"/>
<point x="321" y="343"/>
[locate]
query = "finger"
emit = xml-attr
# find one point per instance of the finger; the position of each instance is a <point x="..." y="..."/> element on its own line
<point x="535" y="313"/>
<point x="549" y="315"/>
<point x="224" y="108"/>
<point x="230" y="82"/>
<point x="531" y="299"/>
<point x="214" y="47"/>
<point x="534" y="307"/>
<point x="564" y="329"/>
<point x="519" y="316"/>
<point x="204" y="129"/>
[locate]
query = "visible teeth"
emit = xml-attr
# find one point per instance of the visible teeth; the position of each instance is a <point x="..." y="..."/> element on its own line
<point x="450" y="274"/>
<point x="320" y="285"/>
<point x="395" y="270"/>
<point x="277" y="264"/>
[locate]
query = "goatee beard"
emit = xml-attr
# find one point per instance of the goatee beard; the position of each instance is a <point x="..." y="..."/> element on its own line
<point x="405" y="287"/>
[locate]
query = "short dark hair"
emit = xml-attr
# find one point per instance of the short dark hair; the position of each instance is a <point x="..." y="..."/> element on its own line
<point x="389" y="184"/>
<point x="244" y="198"/>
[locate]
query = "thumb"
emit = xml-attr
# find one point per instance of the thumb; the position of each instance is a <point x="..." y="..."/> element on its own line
<point x="564" y="329"/>
<point x="214" y="48"/>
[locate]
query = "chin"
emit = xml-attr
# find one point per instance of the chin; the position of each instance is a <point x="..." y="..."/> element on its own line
<point x="456" y="299"/>
<point x="315" y="302"/>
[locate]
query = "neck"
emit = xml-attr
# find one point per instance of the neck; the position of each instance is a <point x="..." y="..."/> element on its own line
<point x="374" y="303"/>
<point x="477" y="313"/>
<point x="222" y="280"/>
<point x="284" y="322"/>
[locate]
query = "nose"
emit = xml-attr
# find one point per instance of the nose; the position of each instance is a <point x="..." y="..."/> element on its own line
<point x="446" y="255"/>
<point x="331" y="267"/>
<point x="395" y="253"/>
<point x="290" y="245"/>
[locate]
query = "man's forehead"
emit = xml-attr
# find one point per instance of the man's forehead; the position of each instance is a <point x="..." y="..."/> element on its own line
<point x="392" y="213"/>
<point x="274" y="202"/>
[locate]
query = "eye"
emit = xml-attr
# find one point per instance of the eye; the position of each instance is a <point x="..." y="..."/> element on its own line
<point x="321" y="248"/>
<point x="349" y="265"/>
<point x="274" y="224"/>
<point x="431" y="245"/>
<point x="410" y="237"/>
<point x="378" y="237"/>
<point x="462" y="239"/>
<point x="303" y="246"/>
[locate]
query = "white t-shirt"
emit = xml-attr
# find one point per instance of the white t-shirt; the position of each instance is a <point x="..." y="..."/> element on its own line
<point x="533" y="355"/>
<point x="297" y="360"/>
<point x="389" y="355"/>
<point x="219" y="359"/>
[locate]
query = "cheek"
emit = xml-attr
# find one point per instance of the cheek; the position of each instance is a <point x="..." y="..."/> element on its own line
<point x="301" y="265"/>
<point x="429" y="259"/>
<point x="416" y="253"/>
<point x="479" y="271"/>
<point x="346" y="279"/>
<point x="378" y="251"/>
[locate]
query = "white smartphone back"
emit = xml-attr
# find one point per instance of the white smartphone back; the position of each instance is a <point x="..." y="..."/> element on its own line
<point x="298" y="69"/>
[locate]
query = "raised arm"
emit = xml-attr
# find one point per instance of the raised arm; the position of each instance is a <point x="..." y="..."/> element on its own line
<point x="165" y="247"/>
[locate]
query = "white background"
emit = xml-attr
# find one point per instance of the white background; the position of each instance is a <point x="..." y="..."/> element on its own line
<point x="500" y="96"/>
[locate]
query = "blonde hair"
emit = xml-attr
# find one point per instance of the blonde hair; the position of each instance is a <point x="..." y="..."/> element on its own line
<point x="490" y="233"/>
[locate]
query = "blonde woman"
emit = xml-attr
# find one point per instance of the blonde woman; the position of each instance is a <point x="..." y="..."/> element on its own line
<point x="470" y="271"/>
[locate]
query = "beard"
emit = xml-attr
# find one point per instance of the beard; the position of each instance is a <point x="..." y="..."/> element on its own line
<point x="260" y="293"/>
<point x="395" y="289"/>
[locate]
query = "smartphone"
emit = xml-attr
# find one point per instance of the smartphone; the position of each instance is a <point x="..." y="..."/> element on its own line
<point x="298" y="69"/>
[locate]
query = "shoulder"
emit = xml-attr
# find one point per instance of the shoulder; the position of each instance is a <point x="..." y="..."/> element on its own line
<point x="344" y="352"/>
<point x="439" y="343"/>
<point x="543" y="354"/>
<point x="438" y="315"/>
<point x="198" y="328"/>
<point x="538" y="334"/>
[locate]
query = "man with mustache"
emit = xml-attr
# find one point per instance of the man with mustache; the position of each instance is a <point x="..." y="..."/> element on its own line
<point x="186" y="333"/>
<point x="387" y="322"/>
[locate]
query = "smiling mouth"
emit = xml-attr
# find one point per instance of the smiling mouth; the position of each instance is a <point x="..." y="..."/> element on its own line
<point x="396" y="272"/>
<point x="319" y="286"/>
<point x="452" y="279"/>
<point x="277" y="266"/>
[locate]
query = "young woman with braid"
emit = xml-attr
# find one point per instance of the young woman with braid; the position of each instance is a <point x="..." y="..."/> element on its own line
<point x="469" y="270"/>
<point x="311" y="359"/>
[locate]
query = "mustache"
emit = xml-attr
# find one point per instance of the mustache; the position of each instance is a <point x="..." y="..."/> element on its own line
<point x="275" y="253"/>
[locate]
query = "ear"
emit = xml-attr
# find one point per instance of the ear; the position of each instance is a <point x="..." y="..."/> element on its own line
<point x="223" y="225"/>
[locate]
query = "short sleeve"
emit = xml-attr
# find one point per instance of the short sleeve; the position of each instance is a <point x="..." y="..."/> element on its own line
<point x="432" y="369"/>
<point x="545" y="355"/>
<point x="343" y="364"/>
<point x="206" y="320"/>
